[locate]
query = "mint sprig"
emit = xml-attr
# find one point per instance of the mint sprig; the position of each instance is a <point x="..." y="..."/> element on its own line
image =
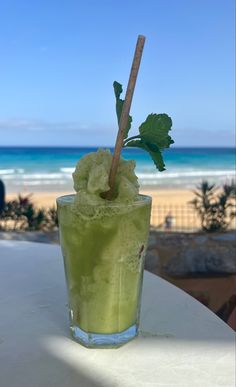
<point x="153" y="134"/>
<point x="119" y="105"/>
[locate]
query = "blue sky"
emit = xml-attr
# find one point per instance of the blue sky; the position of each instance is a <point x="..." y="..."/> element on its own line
<point x="60" y="58"/>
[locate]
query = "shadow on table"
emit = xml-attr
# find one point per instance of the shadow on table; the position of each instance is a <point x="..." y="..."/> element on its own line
<point x="77" y="364"/>
<point x="71" y="369"/>
<point x="47" y="365"/>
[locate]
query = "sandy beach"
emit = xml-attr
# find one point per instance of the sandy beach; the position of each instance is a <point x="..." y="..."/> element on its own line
<point x="165" y="202"/>
<point x="167" y="197"/>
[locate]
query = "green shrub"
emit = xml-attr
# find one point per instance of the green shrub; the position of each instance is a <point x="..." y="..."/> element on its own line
<point x="21" y="214"/>
<point x="215" y="206"/>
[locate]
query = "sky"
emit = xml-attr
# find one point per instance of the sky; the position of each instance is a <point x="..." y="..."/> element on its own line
<point x="59" y="60"/>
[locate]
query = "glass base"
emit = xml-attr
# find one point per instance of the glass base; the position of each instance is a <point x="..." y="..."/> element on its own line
<point x="100" y="340"/>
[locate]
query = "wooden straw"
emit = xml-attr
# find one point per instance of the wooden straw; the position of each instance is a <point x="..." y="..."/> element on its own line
<point x="125" y="113"/>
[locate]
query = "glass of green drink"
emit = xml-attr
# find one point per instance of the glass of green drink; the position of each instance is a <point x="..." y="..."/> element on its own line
<point x="104" y="229"/>
<point x="103" y="246"/>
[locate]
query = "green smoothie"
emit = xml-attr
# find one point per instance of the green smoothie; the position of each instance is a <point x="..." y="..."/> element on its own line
<point x="103" y="249"/>
<point x="104" y="228"/>
<point x="103" y="243"/>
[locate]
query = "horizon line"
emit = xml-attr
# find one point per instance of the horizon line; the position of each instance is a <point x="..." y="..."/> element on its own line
<point x="112" y="147"/>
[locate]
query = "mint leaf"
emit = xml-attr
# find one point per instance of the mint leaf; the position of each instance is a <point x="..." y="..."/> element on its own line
<point x="154" y="137"/>
<point x="153" y="151"/>
<point x="119" y="105"/>
<point x="118" y="89"/>
<point x="155" y="130"/>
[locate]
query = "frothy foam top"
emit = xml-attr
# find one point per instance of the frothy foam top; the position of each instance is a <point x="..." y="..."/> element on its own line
<point x="91" y="178"/>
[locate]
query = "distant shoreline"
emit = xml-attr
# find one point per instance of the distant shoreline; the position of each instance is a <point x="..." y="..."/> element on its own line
<point x="49" y="169"/>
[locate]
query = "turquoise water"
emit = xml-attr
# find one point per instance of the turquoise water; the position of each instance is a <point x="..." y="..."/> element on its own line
<point x="49" y="169"/>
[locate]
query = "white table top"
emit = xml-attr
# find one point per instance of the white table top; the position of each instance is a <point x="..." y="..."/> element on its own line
<point x="182" y="344"/>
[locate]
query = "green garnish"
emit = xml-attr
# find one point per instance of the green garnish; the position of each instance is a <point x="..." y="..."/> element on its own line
<point x="119" y="105"/>
<point x="153" y="134"/>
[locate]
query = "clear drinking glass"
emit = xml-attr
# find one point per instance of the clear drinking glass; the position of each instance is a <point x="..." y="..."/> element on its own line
<point x="103" y="248"/>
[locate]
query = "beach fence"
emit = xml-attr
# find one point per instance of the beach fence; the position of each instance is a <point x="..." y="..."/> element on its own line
<point x="174" y="217"/>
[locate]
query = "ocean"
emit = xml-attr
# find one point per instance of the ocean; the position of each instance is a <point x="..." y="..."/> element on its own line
<point x="34" y="169"/>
